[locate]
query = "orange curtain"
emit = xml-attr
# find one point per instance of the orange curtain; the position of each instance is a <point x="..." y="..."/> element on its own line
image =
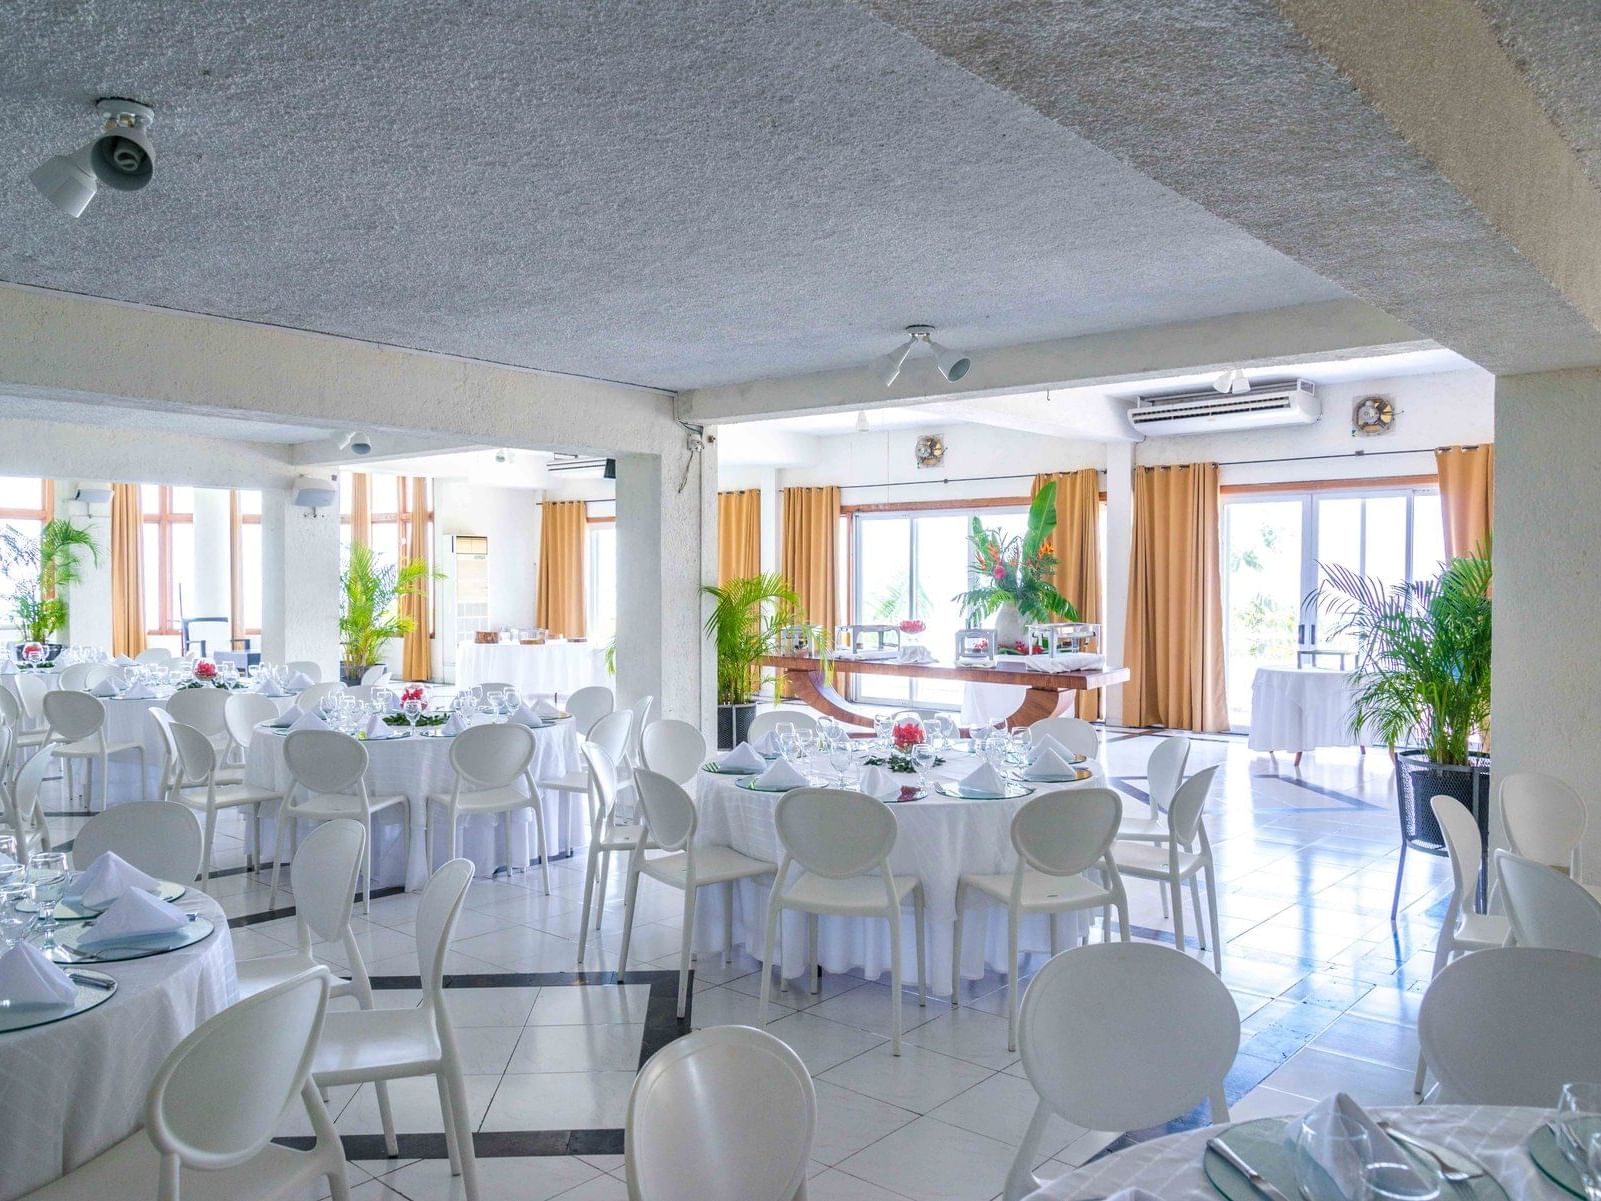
<point x="810" y="559"/>
<point x="127" y="581"/>
<point x="1175" y="601"/>
<point x="417" y="657"/>
<point x="563" y="527"/>
<point x="1467" y="497"/>
<point x="739" y="535"/>
<point x="360" y="508"/>
<point x="1077" y="546"/>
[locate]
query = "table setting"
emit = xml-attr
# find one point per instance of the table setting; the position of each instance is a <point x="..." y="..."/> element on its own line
<point x="953" y="798"/>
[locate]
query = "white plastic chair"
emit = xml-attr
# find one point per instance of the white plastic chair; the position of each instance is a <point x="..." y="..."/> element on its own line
<point x="304" y="667"/>
<point x="379" y="1045"/>
<point x="765" y="723"/>
<point x="724" y="1114"/>
<point x="376" y="675"/>
<point x="1176" y="861"/>
<point x="75" y="678"/>
<point x="206" y="709"/>
<point x="310" y="698"/>
<point x="1511" y="1026"/>
<point x="212" y="1109"/>
<point x="669" y="818"/>
<point x="1544" y="818"/>
<point x="588" y="705"/>
<point x="1164" y="772"/>
<point x="676" y="749"/>
<point x="78" y="732"/>
<point x="608" y="833"/>
<point x="197" y="786"/>
<point x="611" y="734"/>
<point x="242" y="714"/>
<point x="841" y="841"/>
<point x="24" y="813"/>
<point x="1076" y="734"/>
<point x="1546" y="907"/>
<point x="489" y="762"/>
<point x="641" y="710"/>
<point x="13" y="717"/>
<point x="160" y="838"/>
<point x="1059" y="837"/>
<point x="32" y="688"/>
<point x="1122" y="1036"/>
<point x="154" y="655"/>
<point x="331" y="768"/>
<point x="329" y="861"/>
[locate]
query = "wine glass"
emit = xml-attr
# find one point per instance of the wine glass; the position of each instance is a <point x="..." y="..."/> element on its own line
<point x="788" y="743"/>
<point x="808" y="743"/>
<point x="1394" y="1182"/>
<point x="14" y="921"/>
<point x="883" y="726"/>
<point x="412" y="708"/>
<point x="1578" y="1117"/>
<point x="510" y="700"/>
<point x="48" y="877"/>
<point x="839" y="756"/>
<point x="8" y="848"/>
<point x="1590" y="1173"/>
<point x="923" y="758"/>
<point x="1330" y="1151"/>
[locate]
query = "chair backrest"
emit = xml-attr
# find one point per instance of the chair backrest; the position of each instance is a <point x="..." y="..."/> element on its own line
<point x="492" y="756"/>
<point x="163" y="723"/>
<point x="74" y="715"/>
<point x="1511" y="1025"/>
<point x="99" y="673"/>
<point x="75" y="678"/>
<point x="154" y="654"/>
<point x="24" y="797"/>
<point x="1463" y="844"/>
<point x="10" y="708"/>
<point x="1076" y="734"/>
<point x="723" y="1114"/>
<point x="1548" y="908"/>
<point x="244" y="712"/>
<point x="376" y="674"/>
<point x="309" y="698"/>
<point x="158" y="837"/>
<point x="197" y="757"/>
<point x="196" y="1109"/>
<point x="1127" y="1035"/>
<point x="325" y="867"/>
<point x="1189" y="802"/>
<point x="669" y="813"/>
<point x="589" y="705"/>
<point x="640" y="710"/>
<point x="436" y="922"/>
<point x="204" y="708"/>
<point x="1164" y="771"/>
<point x="306" y="668"/>
<point x="610" y="733"/>
<point x="325" y="760"/>
<point x="602" y="776"/>
<point x="32" y="688"/>
<point x="1067" y="831"/>
<point x="1544" y="818"/>
<point x="835" y="832"/>
<point x="763" y="724"/>
<point x="676" y="749"/>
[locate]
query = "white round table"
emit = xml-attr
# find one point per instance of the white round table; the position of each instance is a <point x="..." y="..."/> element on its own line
<point x="1171" y="1167"/>
<point x="415" y="766"/>
<point x="940" y="838"/>
<point x="77" y="1086"/>
<point x="1301" y="709"/>
<point x="556" y="667"/>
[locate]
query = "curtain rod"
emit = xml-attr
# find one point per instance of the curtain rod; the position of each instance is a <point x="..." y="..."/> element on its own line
<point x="966" y="479"/>
<point x="1355" y="454"/>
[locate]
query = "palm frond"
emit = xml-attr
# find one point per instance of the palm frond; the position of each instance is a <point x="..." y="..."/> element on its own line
<point x="744" y="624"/>
<point x="369" y="612"/>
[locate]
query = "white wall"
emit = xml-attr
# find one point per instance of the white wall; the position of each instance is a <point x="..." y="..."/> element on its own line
<point x="509" y="518"/>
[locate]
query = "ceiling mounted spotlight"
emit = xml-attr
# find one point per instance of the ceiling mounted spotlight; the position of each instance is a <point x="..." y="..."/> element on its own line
<point x="1232" y="382"/>
<point x="120" y="156"/>
<point x="953" y="365"/>
<point x="861" y="423"/>
<point x="357" y="443"/>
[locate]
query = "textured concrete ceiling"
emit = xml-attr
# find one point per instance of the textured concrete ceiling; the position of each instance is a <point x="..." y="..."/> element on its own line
<point x="670" y="194"/>
<point x="1554" y="44"/>
<point x="110" y="416"/>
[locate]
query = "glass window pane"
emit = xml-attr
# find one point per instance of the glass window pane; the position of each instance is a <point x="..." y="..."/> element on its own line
<point x="383" y="494"/>
<point x="883" y="590"/>
<point x="1339" y="532"/>
<point x="1428" y="537"/>
<point x="250" y="575"/>
<point x="347" y="493"/>
<point x="386" y="542"/>
<point x="21" y="492"/>
<point x="600" y="587"/>
<point x="26" y="529"/>
<point x="150" y="573"/>
<point x="1385" y="519"/>
<point x="1262" y="594"/>
<point x="181" y="500"/>
<point x="249" y="503"/>
<point x="941" y="572"/>
<point x="149" y="499"/>
<point x="183" y="573"/>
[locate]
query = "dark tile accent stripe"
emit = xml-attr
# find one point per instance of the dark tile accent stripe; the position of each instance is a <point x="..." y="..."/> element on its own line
<point x="270" y="915"/>
<point x="1344" y="798"/>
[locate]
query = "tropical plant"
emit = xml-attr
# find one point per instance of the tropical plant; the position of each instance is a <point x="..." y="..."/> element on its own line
<point x="744" y="625"/>
<point x="1018" y="568"/>
<point x="40" y="570"/>
<point x="1422" y="673"/>
<point x="369" y="611"/>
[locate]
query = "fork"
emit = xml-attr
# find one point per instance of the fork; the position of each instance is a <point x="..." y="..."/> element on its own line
<point x="1450" y="1171"/>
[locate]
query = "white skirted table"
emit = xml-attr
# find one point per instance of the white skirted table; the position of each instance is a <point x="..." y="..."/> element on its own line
<point x="940" y="838"/>
<point x="1170" y="1168"/>
<point x="1301" y="709"/>
<point x="555" y="667"/>
<point x="418" y="765"/>
<point x="77" y="1087"/>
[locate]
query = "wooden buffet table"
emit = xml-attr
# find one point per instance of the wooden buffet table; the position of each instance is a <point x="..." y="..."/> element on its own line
<point x="1048" y="693"/>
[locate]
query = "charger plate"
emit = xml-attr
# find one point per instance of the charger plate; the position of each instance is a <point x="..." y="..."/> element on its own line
<point x="94" y="988"/>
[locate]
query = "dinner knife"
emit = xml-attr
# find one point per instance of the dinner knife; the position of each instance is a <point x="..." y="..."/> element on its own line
<point x="90" y="982"/>
<point x="1259" y="1182"/>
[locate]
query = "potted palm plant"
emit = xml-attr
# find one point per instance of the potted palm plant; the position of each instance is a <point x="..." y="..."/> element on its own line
<point x="369" y="611"/>
<point x="1015" y="575"/>
<point x="40" y="570"/>
<point x="744" y="625"/>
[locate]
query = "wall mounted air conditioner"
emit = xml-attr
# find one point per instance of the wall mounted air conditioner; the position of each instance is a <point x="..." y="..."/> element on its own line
<point x="1293" y="402"/>
<point x="583" y="465"/>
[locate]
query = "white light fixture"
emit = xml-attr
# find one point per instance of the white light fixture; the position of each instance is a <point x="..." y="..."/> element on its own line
<point x="952" y="364"/>
<point x="1232" y="382"/>
<point x="120" y="156"/>
<point x="357" y="443"/>
<point x="861" y="423"/>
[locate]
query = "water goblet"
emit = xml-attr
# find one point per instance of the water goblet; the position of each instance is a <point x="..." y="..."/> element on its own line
<point x="1330" y="1151"/>
<point x="14" y="920"/>
<point x="1578" y="1117"/>
<point x="8" y="848"/>
<point x="510" y="699"/>
<point x="412" y="708"/>
<point x="1394" y="1182"/>
<point x="48" y="878"/>
<point x="788" y="744"/>
<point x="13" y="873"/>
<point x="808" y="743"/>
<point x="840" y="757"/>
<point x="923" y="757"/>
<point x="1590" y="1174"/>
<point x="883" y="727"/>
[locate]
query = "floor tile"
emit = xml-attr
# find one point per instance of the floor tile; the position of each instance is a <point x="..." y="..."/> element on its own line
<point x="932" y="1161"/>
<point x="560" y="1101"/>
<point x="916" y="1079"/>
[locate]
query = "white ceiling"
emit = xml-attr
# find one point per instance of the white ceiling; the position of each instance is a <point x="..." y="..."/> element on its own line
<point x="108" y="416"/>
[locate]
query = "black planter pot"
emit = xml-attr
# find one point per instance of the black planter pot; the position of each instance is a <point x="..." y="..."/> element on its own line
<point x="350" y="673"/>
<point x="733" y="724"/>
<point x="51" y="650"/>
<point x="1417" y="782"/>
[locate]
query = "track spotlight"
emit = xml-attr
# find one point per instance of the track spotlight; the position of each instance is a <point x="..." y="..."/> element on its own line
<point x="121" y="157"/>
<point x="1232" y="382"/>
<point x="357" y="443"/>
<point x="953" y="365"/>
<point x="889" y="367"/>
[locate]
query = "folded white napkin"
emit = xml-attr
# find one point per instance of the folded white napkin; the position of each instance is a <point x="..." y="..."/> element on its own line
<point x="454" y="725"/>
<point x="287" y="718"/>
<point x="299" y="682"/>
<point x="984" y="778"/>
<point x="742" y="758"/>
<point x="123" y="661"/>
<point x="308" y="721"/>
<point x="374" y="727"/>
<point x="876" y="782"/>
<point x="1038" y="746"/>
<point x="545" y="709"/>
<point x="135" y="916"/>
<point x="782" y="774"/>
<point x="524" y="716"/>
<point x="1048" y="765"/>
<point x="916" y="654"/>
<point x="767" y="744"/>
<point x="107" y="878"/>
<point x="1381" y="1147"/>
<point x="106" y="688"/>
<point x="139" y="692"/>
<point x="271" y="687"/>
<point x="28" y="978"/>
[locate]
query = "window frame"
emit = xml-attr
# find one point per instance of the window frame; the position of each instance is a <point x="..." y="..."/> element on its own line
<point x="164" y="519"/>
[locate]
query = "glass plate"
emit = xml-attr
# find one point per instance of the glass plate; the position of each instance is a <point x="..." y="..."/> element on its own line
<point x="730" y="771"/>
<point x="67" y="911"/>
<point x="94" y="988"/>
<point x="1548" y="1157"/>
<point x="748" y="783"/>
<point x="1077" y="777"/>
<point x="1014" y="790"/>
<point x="67" y="954"/>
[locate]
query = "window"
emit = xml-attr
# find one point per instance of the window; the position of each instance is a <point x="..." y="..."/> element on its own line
<point x="25" y="505"/>
<point x="600" y="582"/>
<point x="375" y="509"/>
<point x="245" y="585"/>
<point x="168" y="560"/>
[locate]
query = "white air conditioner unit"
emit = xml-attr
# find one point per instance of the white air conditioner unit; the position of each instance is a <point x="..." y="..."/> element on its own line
<point x="310" y="493"/>
<point x="583" y="465"/>
<point x="1293" y="402"/>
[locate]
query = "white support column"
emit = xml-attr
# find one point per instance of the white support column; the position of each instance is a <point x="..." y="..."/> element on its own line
<point x="1119" y="541"/>
<point x="299" y="582"/>
<point x="89" y="600"/>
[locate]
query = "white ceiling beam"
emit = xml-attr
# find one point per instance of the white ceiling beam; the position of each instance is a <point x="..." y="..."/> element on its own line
<point x="386" y="447"/>
<point x="1095" y="417"/>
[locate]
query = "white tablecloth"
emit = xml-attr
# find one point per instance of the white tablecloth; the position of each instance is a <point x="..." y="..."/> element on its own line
<point x="1171" y="1167"/>
<point x="76" y="1087"/>
<point x="416" y="766"/>
<point x="10" y="681"/>
<point x="1301" y="709"/>
<point x="554" y="668"/>
<point x="940" y="838"/>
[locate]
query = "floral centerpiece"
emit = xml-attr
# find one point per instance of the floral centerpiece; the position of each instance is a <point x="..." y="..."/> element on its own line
<point x="908" y="732"/>
<point x="204" y="674"/>
<point x="33" y="654"/>
<point x="1015" y="573"/>
<point x="913" y="625"/>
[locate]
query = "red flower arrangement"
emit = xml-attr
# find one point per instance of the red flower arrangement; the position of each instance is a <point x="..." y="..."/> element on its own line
<point x="414" y="693"/>
<point x="31" y="649"/>
<point x="907" y="734"/>
<point x="913" y="626"/>
<point x="205" y="669"/>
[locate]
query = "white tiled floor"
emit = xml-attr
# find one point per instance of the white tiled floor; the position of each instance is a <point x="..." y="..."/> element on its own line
<point x="1328" y="992"/>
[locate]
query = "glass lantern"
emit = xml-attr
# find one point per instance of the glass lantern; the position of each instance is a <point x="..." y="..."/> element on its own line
<point x="907" y="730"/>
